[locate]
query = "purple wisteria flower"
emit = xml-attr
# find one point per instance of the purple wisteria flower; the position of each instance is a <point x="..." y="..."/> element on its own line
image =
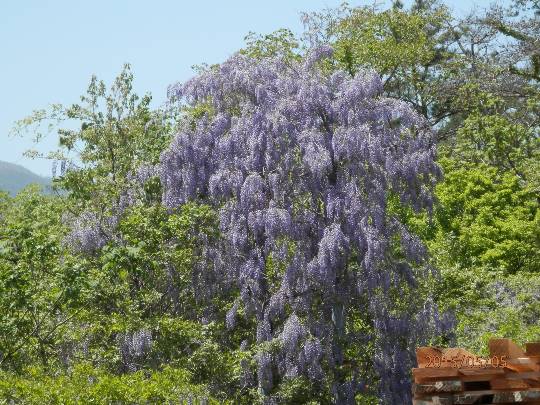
<point x="300" y="165"/>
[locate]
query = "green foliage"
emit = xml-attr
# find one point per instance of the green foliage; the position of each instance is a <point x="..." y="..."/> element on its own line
<point x="489" y="304"/>
<point x="87" y="385"/>
<point x="115" y="133"/>
<point x="38" y="290"/>
<point x="487" y="221"/>
<point x="499" y="134"/>
<point x="386" y="41"/>
<point x="300" y="391"/>
<point x="485" y="240"/>
<point x="409" y="48"/>
<point x="281" y="42"/>
<point x="156" y="246"/>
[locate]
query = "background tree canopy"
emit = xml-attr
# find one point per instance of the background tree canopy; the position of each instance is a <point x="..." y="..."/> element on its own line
<point x="291" y="224"/>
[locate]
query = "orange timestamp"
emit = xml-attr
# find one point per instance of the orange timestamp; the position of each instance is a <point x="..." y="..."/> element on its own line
<point x="465" y="361"/>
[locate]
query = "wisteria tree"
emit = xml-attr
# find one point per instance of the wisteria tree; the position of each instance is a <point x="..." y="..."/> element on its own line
<point x="303" y="166"/>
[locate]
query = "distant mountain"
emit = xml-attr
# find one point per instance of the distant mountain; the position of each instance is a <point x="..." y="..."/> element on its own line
<point x="15" y="177"/>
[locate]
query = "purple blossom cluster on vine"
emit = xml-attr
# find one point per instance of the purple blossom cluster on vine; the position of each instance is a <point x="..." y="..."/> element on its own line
<point x="301" y="166"/>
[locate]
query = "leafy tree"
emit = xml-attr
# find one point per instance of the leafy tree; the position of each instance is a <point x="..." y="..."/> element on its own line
<point x="520" y="25"/>
<point x="412" y="50"/>
<point x="500" y="138"/>
<point x="281" y="42"/>
<point x="116" y="133"/>
<point x="140" y="262"/>
<point x="40" y="283"/>
<point x="487" y="221"/>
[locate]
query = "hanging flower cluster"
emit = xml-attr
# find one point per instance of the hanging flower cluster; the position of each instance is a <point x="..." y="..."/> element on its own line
<point x="301" y="165"/>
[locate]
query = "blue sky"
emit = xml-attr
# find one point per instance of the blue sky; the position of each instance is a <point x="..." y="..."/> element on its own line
<point x="50" y="48"/>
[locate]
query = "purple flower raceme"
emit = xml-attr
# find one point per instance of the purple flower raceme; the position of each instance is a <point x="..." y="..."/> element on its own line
<point x="91" y="231"/>
<point x="301" y="165"/>
<point x="87" y="234"/>
<point x="133" y="346"/>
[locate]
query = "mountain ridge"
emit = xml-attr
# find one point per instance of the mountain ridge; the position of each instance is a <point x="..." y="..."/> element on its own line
<point x="14" y="177"/>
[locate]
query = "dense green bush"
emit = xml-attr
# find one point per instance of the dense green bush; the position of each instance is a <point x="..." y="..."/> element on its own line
<point x="87" y="385"/>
